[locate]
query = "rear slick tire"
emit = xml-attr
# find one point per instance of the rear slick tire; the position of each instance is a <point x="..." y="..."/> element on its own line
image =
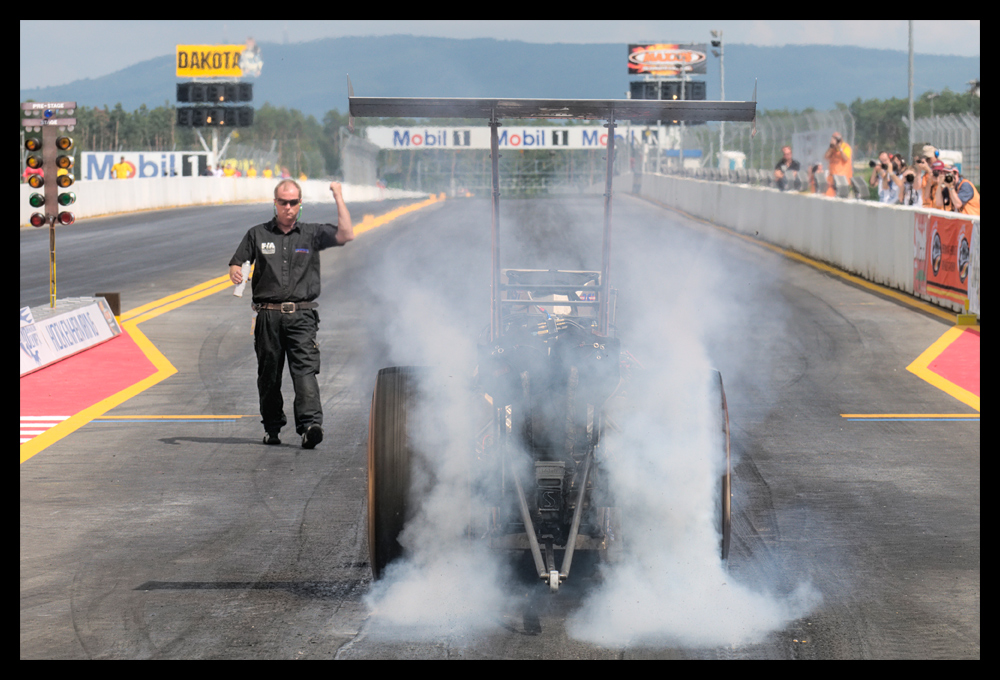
<point x="389" y="462"/>
<point x="724" y="501"/>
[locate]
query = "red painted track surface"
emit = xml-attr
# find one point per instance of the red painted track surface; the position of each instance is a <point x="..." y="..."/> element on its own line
<point x="73" y="384"/>
<point x="959" y="362"/>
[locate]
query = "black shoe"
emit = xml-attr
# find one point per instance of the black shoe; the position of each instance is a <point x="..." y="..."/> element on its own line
<point x="271" y="439"/>
<point x="312" y="437"/>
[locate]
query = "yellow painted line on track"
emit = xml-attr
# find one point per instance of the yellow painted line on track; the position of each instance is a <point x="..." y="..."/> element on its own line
<point x="921" y="368"/>
<point x="909" y="415"/>
<point x="905" y="298"/>
<point x="130" y="321"/>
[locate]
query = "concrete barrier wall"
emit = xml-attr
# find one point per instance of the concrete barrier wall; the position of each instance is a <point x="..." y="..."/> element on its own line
<point x="105" y="197"/>
<point x="871" y="240"/>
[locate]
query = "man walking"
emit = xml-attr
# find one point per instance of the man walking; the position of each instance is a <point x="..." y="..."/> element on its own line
<point x="286" y="283"/>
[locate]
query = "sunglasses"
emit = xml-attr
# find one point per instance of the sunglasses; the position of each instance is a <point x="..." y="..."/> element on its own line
<point x="282" y="202"/>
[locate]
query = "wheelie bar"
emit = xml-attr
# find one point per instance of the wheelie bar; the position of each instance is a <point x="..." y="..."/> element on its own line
<point x="551" y="576"/>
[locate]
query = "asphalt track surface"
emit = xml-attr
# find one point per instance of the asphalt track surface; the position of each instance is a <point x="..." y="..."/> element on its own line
<point x="160" y="538"/>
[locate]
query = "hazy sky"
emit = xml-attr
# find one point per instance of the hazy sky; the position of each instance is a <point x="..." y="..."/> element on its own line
<point x="97" y="48"/>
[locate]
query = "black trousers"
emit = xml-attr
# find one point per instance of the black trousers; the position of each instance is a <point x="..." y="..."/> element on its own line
<point x="275" y="337"/>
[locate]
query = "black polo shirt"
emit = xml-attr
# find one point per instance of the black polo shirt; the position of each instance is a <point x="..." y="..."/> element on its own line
<point x="286" y="265"/>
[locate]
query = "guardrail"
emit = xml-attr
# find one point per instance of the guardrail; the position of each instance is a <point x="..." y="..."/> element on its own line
<point x="106" y="197"/>
<point x="890" y="245"/>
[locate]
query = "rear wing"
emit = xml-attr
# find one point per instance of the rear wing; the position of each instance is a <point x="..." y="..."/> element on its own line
<point x="493" y="110"/>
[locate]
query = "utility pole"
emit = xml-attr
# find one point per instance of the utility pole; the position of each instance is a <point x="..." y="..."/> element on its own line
<point x="910" y="132"/>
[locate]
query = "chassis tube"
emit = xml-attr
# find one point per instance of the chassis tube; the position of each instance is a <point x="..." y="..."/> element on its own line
<point x="529" y="529"/>
<point x="577" y="514"/>
<point x="604" y="314"/>
<point x="495" y="282"/>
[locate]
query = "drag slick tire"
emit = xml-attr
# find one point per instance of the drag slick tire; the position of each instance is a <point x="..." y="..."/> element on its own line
<point x="390" y="458"/>
<point x="724" y="500"/>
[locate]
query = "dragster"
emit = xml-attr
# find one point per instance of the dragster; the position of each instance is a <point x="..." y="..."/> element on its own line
<point x="549" y="367"/>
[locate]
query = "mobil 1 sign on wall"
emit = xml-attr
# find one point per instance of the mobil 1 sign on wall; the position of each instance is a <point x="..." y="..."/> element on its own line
<point x="142" y="164"/>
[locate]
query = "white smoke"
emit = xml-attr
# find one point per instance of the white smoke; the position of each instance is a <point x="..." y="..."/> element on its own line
<point x="671" y="586"/>
<point x="445" y="585"/>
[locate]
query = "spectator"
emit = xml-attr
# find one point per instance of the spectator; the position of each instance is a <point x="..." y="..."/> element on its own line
<point x="268" y="174"/>
<point x="886" y="177"/>
<point x="813" y="169"/>
<point x="839" y="158"/>
<point x="252" y="171"/>
<point x="785" y="166"/>
<point x="909" y="189"/>
<point x="968" y="195"/>
<point x="931" y="191"/>
<point x="873" y="181"/>
<point x="219" y="172"/>
<point x="121" y="169"/>
<point x="954" y="192"/>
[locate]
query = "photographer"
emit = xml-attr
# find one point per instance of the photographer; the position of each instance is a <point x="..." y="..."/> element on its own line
<point x="838" y="158"/>
<point x="954" y="192"/>
<point x="785" y="166"/>
<point x="909" y="189"/>
<point x="889" y="183"/>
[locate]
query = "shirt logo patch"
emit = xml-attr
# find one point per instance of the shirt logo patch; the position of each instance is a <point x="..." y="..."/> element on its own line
<point x="267" y="248"/>
<point x="302" y="250"/>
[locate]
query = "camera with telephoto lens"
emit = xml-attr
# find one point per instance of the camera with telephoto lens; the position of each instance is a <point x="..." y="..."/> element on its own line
<point x="949" y="178"/>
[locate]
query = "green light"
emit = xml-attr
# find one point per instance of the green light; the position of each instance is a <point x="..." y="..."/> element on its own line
<point x="36" y="200"/>
<point x="65" y="199"/>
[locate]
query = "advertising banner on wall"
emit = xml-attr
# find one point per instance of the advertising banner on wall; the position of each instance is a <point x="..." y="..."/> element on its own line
<point x="142" y="164"/>
<point x="57" y="336"/>
<point x="942" y="257"/>
<point x="521" y="137"/>
<point x="667" y="59"/>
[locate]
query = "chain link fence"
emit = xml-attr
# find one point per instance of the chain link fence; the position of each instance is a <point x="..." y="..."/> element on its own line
<point x="358" y="160"/>
<point x="957" y="132"/>
<point x="807" y="133"/>
<point x="245" y="156"/>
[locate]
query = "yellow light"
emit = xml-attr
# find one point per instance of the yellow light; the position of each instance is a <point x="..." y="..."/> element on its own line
<point x="36" y="181"/>
<point x="64" y="143"/>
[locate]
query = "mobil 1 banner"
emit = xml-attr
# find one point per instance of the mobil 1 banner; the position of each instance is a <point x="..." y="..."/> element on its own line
<point x="514" y="137"/>
<point x="142" y="164"/>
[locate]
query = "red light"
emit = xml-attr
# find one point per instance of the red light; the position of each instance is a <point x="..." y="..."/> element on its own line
<point x="37" y="220"/>
<point x="66" y="218"/>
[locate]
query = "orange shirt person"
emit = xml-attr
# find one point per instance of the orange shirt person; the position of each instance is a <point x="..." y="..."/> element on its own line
<point x="839" y="157"/>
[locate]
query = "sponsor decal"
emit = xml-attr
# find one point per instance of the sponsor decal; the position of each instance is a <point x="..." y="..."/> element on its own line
<point x="144" y="164"/>
<point x="667" y="59"/>
<point x="267" y="248"/>
<point x="212" y="61"/>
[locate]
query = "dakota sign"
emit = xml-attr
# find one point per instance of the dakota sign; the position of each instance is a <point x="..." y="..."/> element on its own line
<point x="667" y="59"/>
<point x="209" y="61"/>
<point x="514" y="137"/>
